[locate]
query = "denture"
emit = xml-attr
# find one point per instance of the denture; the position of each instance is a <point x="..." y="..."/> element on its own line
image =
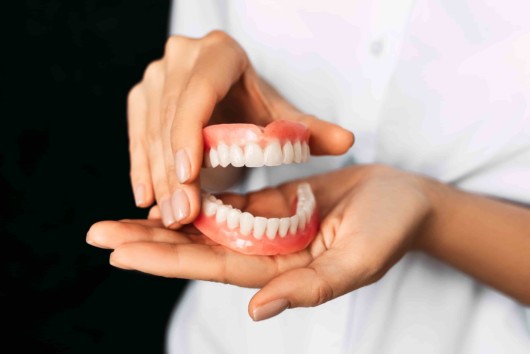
<point x="280" y="142"/>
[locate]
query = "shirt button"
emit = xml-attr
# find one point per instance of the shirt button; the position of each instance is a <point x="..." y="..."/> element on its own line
<point x="377" y="47"/>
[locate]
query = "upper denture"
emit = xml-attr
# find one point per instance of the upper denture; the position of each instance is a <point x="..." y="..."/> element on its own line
<point x="280" y="142"/>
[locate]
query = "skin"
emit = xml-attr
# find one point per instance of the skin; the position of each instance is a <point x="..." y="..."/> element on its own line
<point x="371" y="215"/>
<point x="197" y="82"/>
<point x="483" y="237"/>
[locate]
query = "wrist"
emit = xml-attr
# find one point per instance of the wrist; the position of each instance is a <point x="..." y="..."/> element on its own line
<point x="436" y="194"/>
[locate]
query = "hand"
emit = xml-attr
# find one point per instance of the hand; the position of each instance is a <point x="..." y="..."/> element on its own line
<point x="371" y="216"/>
<point x="198" y="82"/>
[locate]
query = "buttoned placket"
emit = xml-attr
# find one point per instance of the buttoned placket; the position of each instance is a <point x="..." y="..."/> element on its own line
<point x="378" y="54"/>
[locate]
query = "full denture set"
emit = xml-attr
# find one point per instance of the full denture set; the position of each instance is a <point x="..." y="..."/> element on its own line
<point x="281" y="142"/>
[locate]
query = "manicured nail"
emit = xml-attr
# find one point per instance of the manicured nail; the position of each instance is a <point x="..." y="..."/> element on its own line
<point x="270" y="309"/>
<point x="139" y="194"/>
<point x="167" y="213"/>
<point x="182" y="166"/>
<point x="180" y="204"/>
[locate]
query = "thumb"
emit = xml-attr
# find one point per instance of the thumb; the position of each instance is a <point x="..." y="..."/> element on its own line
<point x="328" y="277"/>
<point x="327" y="138"/>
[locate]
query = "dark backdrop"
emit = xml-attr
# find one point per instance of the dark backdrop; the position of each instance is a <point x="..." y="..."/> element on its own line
<point x="64" y="165"/>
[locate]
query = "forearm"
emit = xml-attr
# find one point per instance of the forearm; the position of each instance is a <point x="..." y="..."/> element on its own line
<point x="486" y="238"/>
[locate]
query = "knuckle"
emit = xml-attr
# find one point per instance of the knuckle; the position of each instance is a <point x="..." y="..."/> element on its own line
<point x="169" y="106"/>
<point x="175" y="42"/>
<point x="159" y="187"/>
<point x="136" y="146"/>
<point x="218" y="36"/>
<point x="153" y="137"/>
<point x="155" y="69"/>
<point x="171" y="172"/>
<point x="135" y="93"/>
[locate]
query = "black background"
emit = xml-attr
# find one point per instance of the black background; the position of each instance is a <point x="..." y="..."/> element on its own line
<point x="64" y="165"/>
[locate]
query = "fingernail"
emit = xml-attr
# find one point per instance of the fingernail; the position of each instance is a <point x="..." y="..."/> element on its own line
<point x="180" y="204"/>
<point x="139" y="194"/>
<point x="167" y="213"/>
<point x="270" y="309"/>
<point x="182" y="166"/>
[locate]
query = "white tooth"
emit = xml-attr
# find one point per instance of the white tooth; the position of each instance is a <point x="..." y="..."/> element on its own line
<point x="297" y="152"/>
<point x="236" y="156"/>
<point x="232" y="220"/>
<point x="305" y="193"/>
<point x="301" y="219"/>
<point x="273" y="154"/>
<point x="288" y="153"/>
<point x="284" y="226"/>
<point x="272" y="227"/>
<point x="214" y="158"/>
<point x="253" y="155"/>
<point x="246" y="221"/>
<point x="308" y="210"/>
<point x="208" y="207"/>
<point x="260" y="224"/>
<point x="305" y="152"/>
<point x="224" y="154"/>
<point x="222" y="212"/>
<point x="293" y="224"/>
<point x="212" y="198"/>
<point x="218" y="202"/>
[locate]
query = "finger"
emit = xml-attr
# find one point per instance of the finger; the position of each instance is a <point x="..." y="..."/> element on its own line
<point x="154" y="83"/>
<point x="112" y="234"/>
<point x="154" y="213"/>
<point x="203" y="262"/>
<point x="220" y="64"/>
<point x="187" y="230"/>
<point x="140" y="172"/>
<point x="157" y="222"/>
<point x="144" y="222"/>
<point x="329" y="276"/>
<point x="327" y="138"/>
<point x="160" y="183"/>
<point x="180" y="55"/>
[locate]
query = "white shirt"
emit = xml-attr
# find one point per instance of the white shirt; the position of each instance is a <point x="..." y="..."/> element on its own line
<point x="440" y="88"/>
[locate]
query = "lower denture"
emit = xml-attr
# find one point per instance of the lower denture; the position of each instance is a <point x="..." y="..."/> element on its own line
<point x="249" y="234"/>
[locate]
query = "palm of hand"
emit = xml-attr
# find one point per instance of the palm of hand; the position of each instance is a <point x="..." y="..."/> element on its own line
<point x="368" y="223"/>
